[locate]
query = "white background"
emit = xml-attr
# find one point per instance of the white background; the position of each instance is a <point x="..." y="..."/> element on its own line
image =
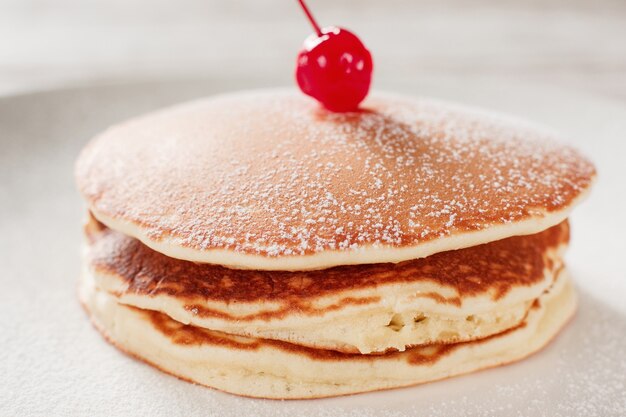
<point x="574" y="44"/>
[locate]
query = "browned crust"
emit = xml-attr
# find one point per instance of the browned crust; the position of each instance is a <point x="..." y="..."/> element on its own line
<point x="440" y="298"/>
<point x="494" y="268"/>
<point x="294" y="305"/>
<point x="270" y="175"/>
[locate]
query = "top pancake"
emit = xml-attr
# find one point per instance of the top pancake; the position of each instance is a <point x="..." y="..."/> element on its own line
<point x="268" y="180"/>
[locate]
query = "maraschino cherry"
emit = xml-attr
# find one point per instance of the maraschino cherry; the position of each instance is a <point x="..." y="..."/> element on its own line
<point x="334" y="67"/>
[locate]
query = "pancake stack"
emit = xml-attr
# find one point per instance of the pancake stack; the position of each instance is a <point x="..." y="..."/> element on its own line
<point x="260" y="245"/>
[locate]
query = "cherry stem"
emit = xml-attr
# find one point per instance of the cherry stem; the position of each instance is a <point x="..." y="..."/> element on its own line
<point x="311" y="18"/>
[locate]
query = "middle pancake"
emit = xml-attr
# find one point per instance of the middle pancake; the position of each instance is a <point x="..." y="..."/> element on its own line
<point x="448" y="297"/>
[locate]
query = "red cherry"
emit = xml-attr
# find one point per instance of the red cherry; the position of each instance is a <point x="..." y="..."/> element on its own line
<point x="334" y="67"/>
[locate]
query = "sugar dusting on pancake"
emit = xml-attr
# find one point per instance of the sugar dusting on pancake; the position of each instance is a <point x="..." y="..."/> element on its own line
<point x="267" y="177"/>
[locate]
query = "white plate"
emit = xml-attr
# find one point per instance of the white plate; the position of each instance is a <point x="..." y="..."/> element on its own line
<point x="52" y="362"/>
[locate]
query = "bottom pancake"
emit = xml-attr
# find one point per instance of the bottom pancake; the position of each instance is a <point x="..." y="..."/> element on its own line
<point x="274" y="369"/>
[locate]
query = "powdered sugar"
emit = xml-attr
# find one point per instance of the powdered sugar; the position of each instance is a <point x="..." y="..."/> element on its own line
<point x="272" y="174"/>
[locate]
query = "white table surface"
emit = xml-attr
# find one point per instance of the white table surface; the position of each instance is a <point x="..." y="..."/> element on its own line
<point x="53" y="363"/>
